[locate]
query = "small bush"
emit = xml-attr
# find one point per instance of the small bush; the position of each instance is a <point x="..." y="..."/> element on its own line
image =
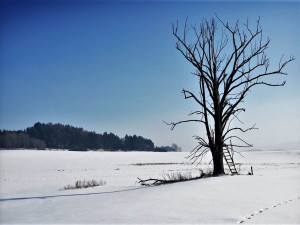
<point x="85" y="184"/>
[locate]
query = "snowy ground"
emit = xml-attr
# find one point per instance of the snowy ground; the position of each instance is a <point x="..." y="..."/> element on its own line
<point x="31" y="189"/>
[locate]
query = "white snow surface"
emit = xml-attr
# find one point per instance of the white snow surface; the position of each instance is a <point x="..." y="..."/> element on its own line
<point x="32" y="189"/>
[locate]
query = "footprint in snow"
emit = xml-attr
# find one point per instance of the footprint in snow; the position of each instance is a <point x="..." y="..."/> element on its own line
<point x="262" y="210"/>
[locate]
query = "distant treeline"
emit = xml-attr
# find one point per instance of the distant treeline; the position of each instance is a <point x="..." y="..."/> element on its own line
<point x="59" y="136"/>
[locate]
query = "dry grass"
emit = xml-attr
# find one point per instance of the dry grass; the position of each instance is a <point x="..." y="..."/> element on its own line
<point x="156" y="164"/>
<point x="176" y="177"/>
<point x="85" y="184"/>
<point x="170" y="178"/>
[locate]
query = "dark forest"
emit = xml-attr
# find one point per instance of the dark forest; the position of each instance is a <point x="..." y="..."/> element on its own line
<point x="59" y="136"/>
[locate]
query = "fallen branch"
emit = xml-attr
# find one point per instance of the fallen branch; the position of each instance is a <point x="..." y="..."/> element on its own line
<point x="172" y="178"/>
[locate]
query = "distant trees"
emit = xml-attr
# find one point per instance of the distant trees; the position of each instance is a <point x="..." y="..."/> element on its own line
<point x="137" y="143"/>
<point x="172" y="148"/>
<point x="176" y="147"/>
<point x="19" y="139"/>
<point x="62" y="136"/>
<point x="109" y="141"/>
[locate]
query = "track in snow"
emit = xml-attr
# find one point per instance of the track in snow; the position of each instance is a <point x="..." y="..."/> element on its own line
<point x="248" y="217"/>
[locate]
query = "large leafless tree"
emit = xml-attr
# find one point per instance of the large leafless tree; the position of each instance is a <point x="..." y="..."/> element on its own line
<point x="229" y="62"/>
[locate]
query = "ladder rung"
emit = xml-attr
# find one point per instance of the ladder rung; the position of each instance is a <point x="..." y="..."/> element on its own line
<point x="229" y="160"/>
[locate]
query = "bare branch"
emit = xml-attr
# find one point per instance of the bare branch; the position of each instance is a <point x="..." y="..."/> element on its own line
<point x="196" y="112"/>
<point x="227" y="70"/>
<point x="247" y="144"/>
<point x="240" y="129"/>
<point x="191" y="95"/>
<point x="172" y="124"/>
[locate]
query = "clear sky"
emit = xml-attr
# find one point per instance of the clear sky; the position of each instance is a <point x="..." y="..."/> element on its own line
<point x="112" y="66"/>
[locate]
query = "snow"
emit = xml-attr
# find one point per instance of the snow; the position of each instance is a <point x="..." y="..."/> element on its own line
<point x="31" y="189"/>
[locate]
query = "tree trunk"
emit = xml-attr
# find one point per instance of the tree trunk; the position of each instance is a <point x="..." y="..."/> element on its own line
<point x="218" y="161"/>
<point x="226" y="75"/>
<point x="218" y="151"/>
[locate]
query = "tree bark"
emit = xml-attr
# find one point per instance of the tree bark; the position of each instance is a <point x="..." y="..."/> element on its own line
<point x="217" y="156"/>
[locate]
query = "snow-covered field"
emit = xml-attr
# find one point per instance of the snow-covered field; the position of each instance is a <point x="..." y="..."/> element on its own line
<point x="32" y="182"/>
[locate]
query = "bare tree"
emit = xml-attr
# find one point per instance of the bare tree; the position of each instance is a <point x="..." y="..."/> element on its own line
<point x="229" y="63"/>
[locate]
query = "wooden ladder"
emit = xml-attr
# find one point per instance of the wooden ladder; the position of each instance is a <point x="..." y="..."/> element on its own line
<point x="229" y="160"/>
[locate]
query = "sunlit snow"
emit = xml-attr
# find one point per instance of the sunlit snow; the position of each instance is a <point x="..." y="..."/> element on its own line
<point x="32" y="182"/>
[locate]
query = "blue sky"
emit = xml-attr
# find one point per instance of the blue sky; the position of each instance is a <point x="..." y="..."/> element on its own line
<point x="112" y="66"/>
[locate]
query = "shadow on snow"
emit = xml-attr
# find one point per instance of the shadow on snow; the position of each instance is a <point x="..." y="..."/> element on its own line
<point x="70" y="195"/>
